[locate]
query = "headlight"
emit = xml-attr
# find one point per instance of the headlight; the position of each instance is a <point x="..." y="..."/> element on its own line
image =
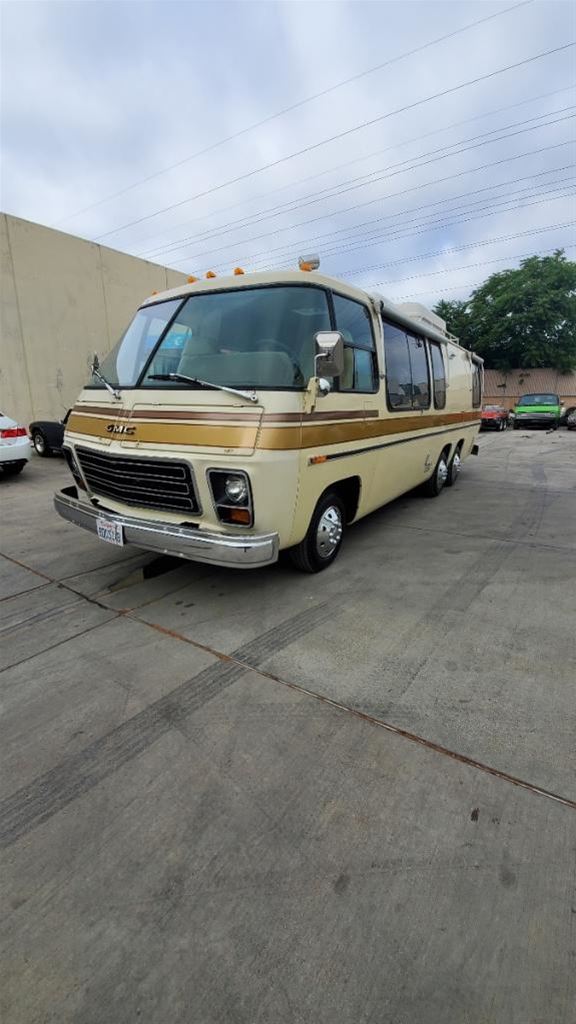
<point x="236" y="489"/>
<point x="232" y="496"/>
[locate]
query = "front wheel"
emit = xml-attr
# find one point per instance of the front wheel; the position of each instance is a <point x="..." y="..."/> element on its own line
<point x="324" y="537"/>
<point x="435" y="484"/>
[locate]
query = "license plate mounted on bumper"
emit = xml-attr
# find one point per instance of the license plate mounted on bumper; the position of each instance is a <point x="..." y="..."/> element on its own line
<point x="110" y="531"/>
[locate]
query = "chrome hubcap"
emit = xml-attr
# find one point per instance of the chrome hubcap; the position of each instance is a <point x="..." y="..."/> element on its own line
<point x="442" y="472"/>
<point x="329" y="532"/>
<point x="39" y="443"/>
<point x="456" y="464"/>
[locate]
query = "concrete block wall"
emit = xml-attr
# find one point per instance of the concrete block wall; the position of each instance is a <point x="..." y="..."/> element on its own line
<point x="62" y="298"/>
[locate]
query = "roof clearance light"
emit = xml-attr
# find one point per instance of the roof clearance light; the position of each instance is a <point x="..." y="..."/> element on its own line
<point x="154" y="293"/>
<point x="210" y="274"/>
<point x="238" y="271"/>
<point x="309" y="262"/>
<point x="191" y="279"/>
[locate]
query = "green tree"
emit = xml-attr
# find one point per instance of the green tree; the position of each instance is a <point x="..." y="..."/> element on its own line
<point x="521" y="318"/>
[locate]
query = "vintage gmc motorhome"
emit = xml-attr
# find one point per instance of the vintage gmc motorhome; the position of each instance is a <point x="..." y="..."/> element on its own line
<point x="244" y="415"/>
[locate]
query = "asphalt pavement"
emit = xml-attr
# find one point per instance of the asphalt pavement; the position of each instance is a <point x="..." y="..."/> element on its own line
<point x="271" y="798"/>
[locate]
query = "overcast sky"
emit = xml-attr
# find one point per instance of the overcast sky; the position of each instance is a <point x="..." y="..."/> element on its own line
<point x="97" y="96"/>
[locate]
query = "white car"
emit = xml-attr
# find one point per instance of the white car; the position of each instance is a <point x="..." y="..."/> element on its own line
<point x="15" y="446"/>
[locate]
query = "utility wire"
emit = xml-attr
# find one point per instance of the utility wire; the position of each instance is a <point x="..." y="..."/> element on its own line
<point x="339" y="135"/>
<point x="349" y="163"/>
<point x="319" y="239"/>
<point x="356" y="183"/>
<point x="398" y="235"/>
<point x="568" y="191"/>
<point x="295" y="106"/>
<point x="370" y="202"/>
<point x="454" y="288"/>
<point x="456" y="248"/>
<point x="473" y="266"/>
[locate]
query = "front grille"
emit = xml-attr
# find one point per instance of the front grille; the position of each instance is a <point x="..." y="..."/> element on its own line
<point x="149" y="483"/>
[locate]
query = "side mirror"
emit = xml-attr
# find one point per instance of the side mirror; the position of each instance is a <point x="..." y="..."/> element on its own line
<point x="329" y="359"/>
<point x="95" y="363"/>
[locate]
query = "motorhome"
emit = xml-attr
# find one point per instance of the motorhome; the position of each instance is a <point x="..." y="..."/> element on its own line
<point x="241" y="416"/>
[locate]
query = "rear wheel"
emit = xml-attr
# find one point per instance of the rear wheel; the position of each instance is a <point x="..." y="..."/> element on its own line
<point x="454" y="467"/>
<point x="40" y="443"/>
<point x="435" y="484"/>
<point x="324" y="537"/>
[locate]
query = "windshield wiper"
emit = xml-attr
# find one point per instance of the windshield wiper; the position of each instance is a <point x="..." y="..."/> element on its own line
<point x="251" y="396"/>
<point x="95" y="371"/>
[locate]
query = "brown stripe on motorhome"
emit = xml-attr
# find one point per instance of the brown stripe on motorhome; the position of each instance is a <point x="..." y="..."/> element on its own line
<point x="271" y="438"/>
<point x="171" y="414"/>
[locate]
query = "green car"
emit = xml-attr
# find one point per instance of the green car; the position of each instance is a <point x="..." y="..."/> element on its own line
<point x="537" y="410"/>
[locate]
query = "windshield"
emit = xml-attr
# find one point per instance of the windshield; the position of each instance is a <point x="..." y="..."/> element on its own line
<point x="244" y="338"/>
<point x="124" y="364"/>
<point x="539" y="400"/>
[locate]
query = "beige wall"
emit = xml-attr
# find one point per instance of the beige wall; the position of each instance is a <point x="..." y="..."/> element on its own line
<point x="62" y="298"/>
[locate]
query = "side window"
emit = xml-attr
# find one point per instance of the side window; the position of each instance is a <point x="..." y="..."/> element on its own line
<point x="398" y="371"/>
<point x="420" y="378"/>
<point x="476" y="385"/>
<point x="438" y="375"/>
<point x="353" y="322"/>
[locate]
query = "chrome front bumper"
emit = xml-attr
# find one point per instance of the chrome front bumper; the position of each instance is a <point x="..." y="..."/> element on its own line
<point x="240" y="551"/>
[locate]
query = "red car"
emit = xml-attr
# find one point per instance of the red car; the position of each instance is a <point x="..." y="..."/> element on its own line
<point x="494" y="417"/>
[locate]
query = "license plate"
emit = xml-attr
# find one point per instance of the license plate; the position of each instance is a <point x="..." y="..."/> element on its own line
<point x="109" y="531"/>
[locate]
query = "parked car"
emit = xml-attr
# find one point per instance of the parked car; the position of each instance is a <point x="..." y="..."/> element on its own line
<point x="571" y="420"/>
<point x="537" y="410"/>
<point x="47" y="436"/>
<point x="494" y="417"/>
<point x="14" y="446"/>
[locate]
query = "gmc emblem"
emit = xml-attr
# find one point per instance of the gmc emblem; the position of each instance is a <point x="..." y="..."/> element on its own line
<point x="120" y="428"/>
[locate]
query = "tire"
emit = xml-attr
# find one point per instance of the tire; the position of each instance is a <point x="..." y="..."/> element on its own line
<point x="515" y="426"/>
<point x="41" y="446"/>
<point x="500" y="425"/>
<point x="323" y="539"/>
<point x="435" y="484"/>
<point x="13" y="469"/>
<point x="454" y="467"/>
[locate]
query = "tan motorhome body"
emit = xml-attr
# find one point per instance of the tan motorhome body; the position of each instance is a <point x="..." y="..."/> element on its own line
<point x="293" y="445"/>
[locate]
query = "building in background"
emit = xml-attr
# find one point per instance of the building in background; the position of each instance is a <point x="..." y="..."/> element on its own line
<point x="506" y="388"/>
<point x="62" y="299"/>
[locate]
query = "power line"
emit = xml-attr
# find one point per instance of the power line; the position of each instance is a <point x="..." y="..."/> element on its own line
<point x="456" y="248"/>
<point x="396" y="236"/>
<point x="439" y="202"/>
<point x="454" y="288"/>
<point x="434" y="154"/>
<point x="472" y="266"/>
<point x="295" y="106"/>
<point x="379" y="199"/>
<point x="350" y="243"/>
<point x="339" y="135"/>
<point x="356" y="160"/>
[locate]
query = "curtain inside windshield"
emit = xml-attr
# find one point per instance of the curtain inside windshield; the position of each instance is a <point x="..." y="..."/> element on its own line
<point x="246" y="337"/>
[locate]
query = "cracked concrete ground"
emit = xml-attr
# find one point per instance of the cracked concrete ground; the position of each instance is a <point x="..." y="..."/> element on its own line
<point x="269" y="797"/>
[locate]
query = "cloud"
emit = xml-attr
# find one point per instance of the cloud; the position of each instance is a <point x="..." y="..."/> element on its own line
<point x="98" y="96"/>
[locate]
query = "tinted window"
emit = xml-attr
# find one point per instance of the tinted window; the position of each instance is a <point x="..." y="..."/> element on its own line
<point x="438" y="375"/>
<point x="354" y="323"/>
<point x="398" y="372"/>
<point x="245" y="337"/>
<point x="420" y="381"/>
